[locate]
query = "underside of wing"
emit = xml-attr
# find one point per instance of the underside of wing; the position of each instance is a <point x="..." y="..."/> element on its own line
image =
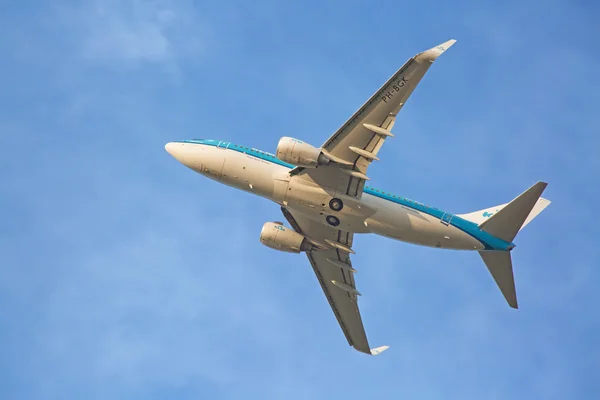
<point x="356" y="144"/>
<point x="332" y="266"/>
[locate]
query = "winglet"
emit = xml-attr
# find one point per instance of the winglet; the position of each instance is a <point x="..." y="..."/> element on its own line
<point x="433" y="53"/>
<point x="379" y="350"/>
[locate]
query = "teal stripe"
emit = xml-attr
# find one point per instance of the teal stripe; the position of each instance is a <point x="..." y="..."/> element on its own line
<point x="246" y="150"/>
<point x="489" y="241"/>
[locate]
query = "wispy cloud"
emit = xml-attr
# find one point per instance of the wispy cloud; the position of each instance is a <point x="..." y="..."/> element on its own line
<point x="135" y="32"/>
<point x="126" y="275"/>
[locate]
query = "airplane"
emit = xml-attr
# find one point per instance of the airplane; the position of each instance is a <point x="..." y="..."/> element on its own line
<point x="323" y="195"/>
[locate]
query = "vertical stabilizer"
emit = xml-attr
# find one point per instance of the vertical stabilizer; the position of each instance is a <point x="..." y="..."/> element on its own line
<point x="505" y="224"/>
<point x="499" y="264"/>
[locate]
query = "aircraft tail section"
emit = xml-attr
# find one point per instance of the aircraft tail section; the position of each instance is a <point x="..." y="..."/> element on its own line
<point x="481" y="216"/>
<point x="504" y="222"/>
<point x="539" y="206"/>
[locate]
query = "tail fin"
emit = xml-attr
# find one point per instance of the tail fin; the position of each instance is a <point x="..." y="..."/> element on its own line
<point x="505" y="224"/>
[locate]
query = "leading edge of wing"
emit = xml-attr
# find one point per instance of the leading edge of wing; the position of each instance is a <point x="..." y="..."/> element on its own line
<point x="427" y="56"/>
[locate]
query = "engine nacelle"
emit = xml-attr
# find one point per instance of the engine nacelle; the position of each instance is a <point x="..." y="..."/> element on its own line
<point x="278" y="237"/>
<point x="296" y="152"/>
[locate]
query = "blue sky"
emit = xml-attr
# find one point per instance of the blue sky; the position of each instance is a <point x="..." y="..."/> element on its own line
<point x="125" y="275"/>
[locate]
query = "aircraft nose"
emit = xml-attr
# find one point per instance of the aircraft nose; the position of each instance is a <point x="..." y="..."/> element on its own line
<point x="170" y="148"/>
<point x="185" y="153"/>
<point x="176" y="150"/>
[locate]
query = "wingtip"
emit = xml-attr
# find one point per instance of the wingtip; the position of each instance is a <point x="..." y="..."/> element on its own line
<point x="451" y="42"/>
<point x="433" y="53"/>
<point x="379" y="350"/>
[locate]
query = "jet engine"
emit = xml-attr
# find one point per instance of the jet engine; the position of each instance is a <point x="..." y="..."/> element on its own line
<point x="296" y="152"/>
<point x="278" y="237"/>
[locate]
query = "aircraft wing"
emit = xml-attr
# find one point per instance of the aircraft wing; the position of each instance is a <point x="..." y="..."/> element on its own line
<point x="356" y="144"/>
<point x="334" y="271"/>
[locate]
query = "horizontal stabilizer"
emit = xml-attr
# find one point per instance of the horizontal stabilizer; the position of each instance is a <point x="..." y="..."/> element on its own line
<point x="537" y="209"/>
<point x="481" y="216"/>
<point x="379" y="350"/>
<point x="499" y="264"/>
<point x="506" y="223"/>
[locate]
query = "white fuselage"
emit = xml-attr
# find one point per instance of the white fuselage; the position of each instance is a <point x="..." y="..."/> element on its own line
<point x="375" y="212"/>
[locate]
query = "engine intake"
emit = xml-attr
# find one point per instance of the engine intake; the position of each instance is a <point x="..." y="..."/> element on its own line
<point x="278" y="237"/>
<point x="296" y="152"/>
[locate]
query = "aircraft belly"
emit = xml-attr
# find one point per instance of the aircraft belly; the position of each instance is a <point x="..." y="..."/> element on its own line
<point x="369" y="214"/>
<point x="235" y="172"/>
<point x="314" y="202"/>
<point x="205" y="160"/>
<point x="253" y="175"/>
<point x="403" y="223"/>
<point x="347" y="223"/>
